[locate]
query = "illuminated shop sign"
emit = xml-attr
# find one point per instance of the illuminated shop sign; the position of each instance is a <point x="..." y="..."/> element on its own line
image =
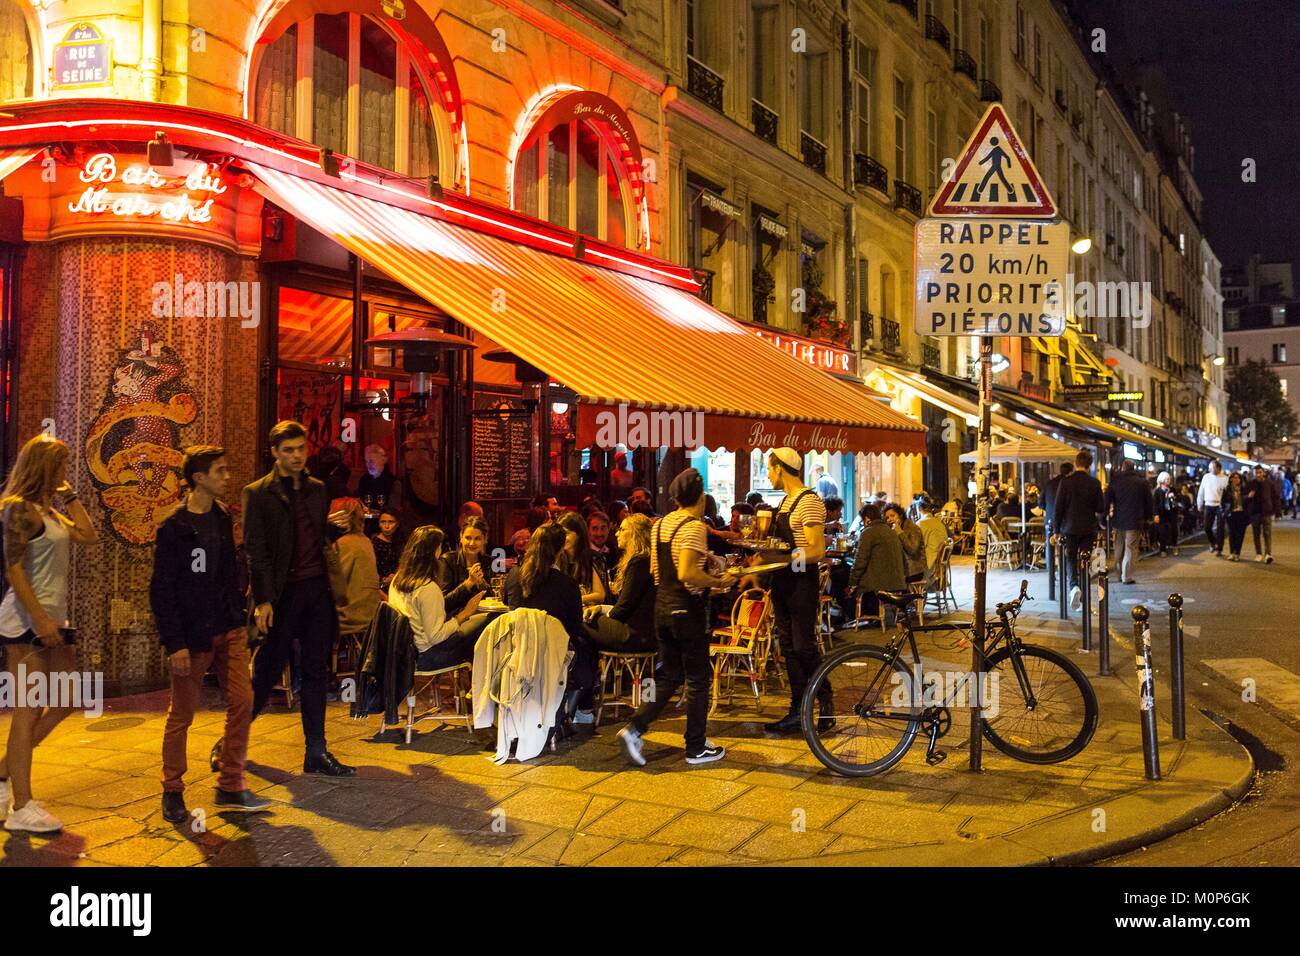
<point x="139" y="191"/>
<point x="817" y="354"/>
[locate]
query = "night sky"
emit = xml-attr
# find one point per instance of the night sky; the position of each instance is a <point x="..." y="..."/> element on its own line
<point x="1233" y="71"/>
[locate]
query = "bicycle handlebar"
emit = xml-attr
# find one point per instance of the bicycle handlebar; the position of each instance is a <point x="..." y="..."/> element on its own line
<point x="1013" y="607"/>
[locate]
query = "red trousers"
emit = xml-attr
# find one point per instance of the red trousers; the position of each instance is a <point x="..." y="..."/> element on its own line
<point x="230" y="655"/>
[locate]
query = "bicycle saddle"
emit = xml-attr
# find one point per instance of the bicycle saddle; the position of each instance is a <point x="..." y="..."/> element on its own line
<point x="898" y="598"/>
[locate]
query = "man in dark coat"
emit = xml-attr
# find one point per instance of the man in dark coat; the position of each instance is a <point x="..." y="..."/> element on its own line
<point x="287" y="534"/>
<point x="1130" y="497"/>
<point x="1079" y="508"/>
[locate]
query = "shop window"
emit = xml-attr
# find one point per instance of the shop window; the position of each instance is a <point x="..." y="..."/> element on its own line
<point x="16" y="58"/>
<point x="366" y="95"/>
<point x="314" y="328"/>
<point x="568" y="172"/>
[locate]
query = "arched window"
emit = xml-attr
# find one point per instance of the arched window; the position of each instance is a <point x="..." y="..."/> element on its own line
<point x="571" y="172"/>
<point x="346" y="82"/>
<point x="17" y="68"/>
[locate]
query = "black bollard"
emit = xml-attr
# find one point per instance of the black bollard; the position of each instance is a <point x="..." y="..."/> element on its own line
<point x="1085" y="585"/>
<point x="1052" y="546"/>
<point x="1062" y="572"/>
<point x="1177" y="689"/>
<point x="1103" y="623"/>
<point x="1146" y="692"/>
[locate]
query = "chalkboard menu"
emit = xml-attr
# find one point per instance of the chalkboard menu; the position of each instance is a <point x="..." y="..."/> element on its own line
<point x="502" y="448"/>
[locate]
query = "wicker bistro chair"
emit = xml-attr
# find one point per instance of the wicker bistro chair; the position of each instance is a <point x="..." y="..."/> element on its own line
<point x="1003" y="548"/>
<point x="461" y="680"/>
<point x="938" y="587"/>
<point x="638" y="666"/>
<point x="739" y="644"/>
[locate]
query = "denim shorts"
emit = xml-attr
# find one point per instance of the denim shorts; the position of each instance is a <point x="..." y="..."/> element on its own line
<point x="68" y="635"/>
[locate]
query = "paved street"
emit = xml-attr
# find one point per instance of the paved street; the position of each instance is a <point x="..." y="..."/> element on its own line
<point x="442" y="801"/>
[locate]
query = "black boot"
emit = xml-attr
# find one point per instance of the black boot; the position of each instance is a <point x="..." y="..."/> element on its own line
<point x="789" y="724"/>
<point x="173" y="807"/>
<point x="214" y="758"/>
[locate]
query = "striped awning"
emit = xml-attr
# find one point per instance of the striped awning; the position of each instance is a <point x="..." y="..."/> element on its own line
<point x="12" y="159"/>
<point x="1026" y="450"/>
<point x="614" y="339"/>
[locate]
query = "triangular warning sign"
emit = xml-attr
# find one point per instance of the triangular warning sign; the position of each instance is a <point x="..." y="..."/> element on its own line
<point x="994" y="176"/>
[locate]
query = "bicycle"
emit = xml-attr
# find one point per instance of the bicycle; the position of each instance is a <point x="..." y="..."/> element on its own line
<point x="1046" y="709"/>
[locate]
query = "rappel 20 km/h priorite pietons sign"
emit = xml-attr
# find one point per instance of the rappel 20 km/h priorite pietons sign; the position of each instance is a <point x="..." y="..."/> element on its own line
<point x="991" y="277"/>
<point x="991" y="258"/>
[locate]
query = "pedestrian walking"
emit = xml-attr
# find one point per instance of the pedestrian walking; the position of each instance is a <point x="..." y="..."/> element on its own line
<point x="1262" y="505"/>
<point x="1129" y="500"/>
<point x="1209" y="497"/>
<point x="1080" y="506"/>
<point x="1167" y="514"/>
<point x="1235" y="517"/>
<point x="198" y="607"/>
<point x="42" y="518"/>
<point x="287" y="533"/>
<point x="678" y="561"/>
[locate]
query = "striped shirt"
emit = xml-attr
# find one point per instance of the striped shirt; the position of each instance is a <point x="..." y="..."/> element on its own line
<point x="693" y="537"/>
<point x="810" y="510"/>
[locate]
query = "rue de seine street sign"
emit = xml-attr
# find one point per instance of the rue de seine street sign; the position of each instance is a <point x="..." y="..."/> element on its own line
<point x="991" y="259"/>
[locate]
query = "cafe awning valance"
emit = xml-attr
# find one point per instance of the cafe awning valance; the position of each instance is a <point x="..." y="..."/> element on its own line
<point x="12" y="159"/>
<point x="613" y="338"/>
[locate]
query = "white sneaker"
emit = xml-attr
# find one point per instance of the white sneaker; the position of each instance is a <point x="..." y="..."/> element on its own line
<point x="1268" y="559"/>
<point x="32" y="818"/>
<point x="1076" y="598"/>
<point x="710" y="753"/>
<point x="1258" y="558"/>
<point x="584" y="716"/>
<point x="632" y="745"/>
<point x="4" y="799"/>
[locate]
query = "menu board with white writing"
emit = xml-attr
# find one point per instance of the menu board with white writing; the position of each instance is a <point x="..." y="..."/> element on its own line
<point x="502" y="449"/>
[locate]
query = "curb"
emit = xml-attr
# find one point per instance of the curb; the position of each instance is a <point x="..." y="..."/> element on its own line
<point x="1286" y="717"/>
<point x="1197" y="746"/>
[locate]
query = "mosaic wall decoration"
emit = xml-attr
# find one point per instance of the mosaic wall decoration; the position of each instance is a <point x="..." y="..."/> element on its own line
<point x="133" y="449"/>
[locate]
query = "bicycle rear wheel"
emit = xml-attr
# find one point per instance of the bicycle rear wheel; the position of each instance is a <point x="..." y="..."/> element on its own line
<point x="875" y="722"/>
<point x="1064" y="715"/>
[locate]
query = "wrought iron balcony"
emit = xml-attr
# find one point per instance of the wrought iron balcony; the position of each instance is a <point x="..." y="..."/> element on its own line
<point x="936" y="31"/>
<point x="908" y="5"/>
<point x="704" y="83"/>
<point x="814" y="152"/>
<point x="866" y="328"/>
<point x="907" y="197"/>
<point x="989" y="92"/>
<point x="765" y="121"/>
<point x="868" y="172"/>
<point x="891" y="334"/>
<point x="1061" y="103"/>
<point x="930" y="356"/>
<point x="705" y="278"/>
<point x="963" y="62"/>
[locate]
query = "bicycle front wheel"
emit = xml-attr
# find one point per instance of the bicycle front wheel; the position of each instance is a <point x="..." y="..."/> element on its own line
<point x="875" y="720"/>
<point x="1049" y="717"/>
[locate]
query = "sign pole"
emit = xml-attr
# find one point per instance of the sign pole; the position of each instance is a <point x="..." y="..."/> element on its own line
<point x="983" y="448"/>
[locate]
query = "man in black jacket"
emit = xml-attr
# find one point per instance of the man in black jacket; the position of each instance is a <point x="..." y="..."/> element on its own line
<point x="198" y="607"/>
<point x="1079" y="506"/>
<point x="287" y="534"/>
<point x="1130" y="497"/>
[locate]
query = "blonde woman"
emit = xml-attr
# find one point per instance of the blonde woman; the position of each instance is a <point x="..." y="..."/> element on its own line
<point x="629" y="624"/>
<point x="34" y="613"/>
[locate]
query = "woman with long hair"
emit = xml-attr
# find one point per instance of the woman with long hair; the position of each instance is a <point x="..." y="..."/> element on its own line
<point x="537" y="582"/>
<point x="913" y="540"/>
<point x="1235" y="516"/>
<point x="34" y="625"/>
<point x="358" y="571"/>
<point x="628" y="625"/>
<point x="467" y="572"/>
<point x="439" y="639"/>
<point x="577" y="560"/>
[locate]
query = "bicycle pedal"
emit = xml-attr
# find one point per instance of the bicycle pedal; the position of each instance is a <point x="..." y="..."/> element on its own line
<point x="937" y="757"/>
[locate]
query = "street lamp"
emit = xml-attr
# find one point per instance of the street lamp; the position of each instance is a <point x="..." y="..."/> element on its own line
<point x="1218" y="360"/>
<point x="1081" y="246"/>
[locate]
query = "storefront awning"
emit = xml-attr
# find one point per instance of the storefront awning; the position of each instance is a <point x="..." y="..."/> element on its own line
<point x="1004" y="426"/>
<point x="1111" y="430"/>
<point x="613" y="338"/>
<point x="13" y="159"/>
<point x="1037" y="449"/>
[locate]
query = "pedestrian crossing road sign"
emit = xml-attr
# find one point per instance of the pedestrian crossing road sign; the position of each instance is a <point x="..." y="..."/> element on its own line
<point x="994" y="176"/>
